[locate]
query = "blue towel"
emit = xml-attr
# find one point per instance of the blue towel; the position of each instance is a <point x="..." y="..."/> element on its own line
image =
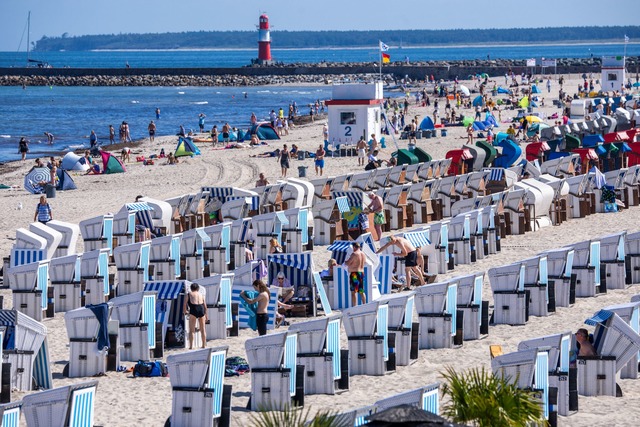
<point x="101" y="311"/>
<point x="251" y="308"/>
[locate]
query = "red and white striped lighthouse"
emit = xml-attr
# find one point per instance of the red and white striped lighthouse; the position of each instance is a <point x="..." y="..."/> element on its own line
<point x="264" y="40"/>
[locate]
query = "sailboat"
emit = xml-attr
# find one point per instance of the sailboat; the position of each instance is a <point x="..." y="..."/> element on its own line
<point x="33" y="62"/>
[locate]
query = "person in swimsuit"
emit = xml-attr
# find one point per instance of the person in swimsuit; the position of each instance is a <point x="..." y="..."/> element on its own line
<point x="355" y="265"/>
<point x="376" y="207"/>
<point x="284" y="158"/>
<point x="262" y="316"/>
<point x="361" y="148"/>
<point x="195" y="306"/>
<point x="319" y="162"/>
<point x="410" y="254"/>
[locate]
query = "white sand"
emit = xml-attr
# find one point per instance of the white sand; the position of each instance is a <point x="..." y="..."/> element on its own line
<point x="124" y="401"/>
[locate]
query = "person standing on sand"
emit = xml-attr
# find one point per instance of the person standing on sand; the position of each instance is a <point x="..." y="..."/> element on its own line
<point x="112" y="135"/>
<point x="319" y="162"/>
<point x="23" y="147"/>
<point x="284" y="159"/>
<point x="355" y="265"/>
<point x="214" y="135"/>
<point x="325" y="135"/>
<point x="262" y="315"/>
<point x="43" y="211"/>
<point x="201" y="118"/>
<point x="373" y="143"/>
<point x="361" y="147"/>
<point x="195" y="307"/>
<point x="152" y="131"/>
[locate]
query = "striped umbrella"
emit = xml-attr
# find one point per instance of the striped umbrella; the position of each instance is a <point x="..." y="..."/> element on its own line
<point x="33" y="179"/>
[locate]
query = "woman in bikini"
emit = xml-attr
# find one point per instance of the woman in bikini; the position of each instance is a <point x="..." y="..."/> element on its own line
<point x="195" y="306"/>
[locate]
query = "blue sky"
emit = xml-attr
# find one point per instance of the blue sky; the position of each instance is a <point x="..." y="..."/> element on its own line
<point x="79" y="17"/>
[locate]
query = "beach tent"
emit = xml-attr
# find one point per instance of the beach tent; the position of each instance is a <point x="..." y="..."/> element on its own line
<point x="73" y="162"/>
<point x="65" y="182"/>
<point x="264" y="131"/>
<point x="479" y="126"/>
<point x="111" y="164"/>
<point x="534" y="89"/>
<point x="490" y="120"/>
<point x="426" y="124"/>
<point x="478" y="101"/>
<point x="503" y="90"/>
<point x="233" y="136"/>
<point x="466" y="121"/>
<point x="524" y="102"/>
<point x="186" y="147"/>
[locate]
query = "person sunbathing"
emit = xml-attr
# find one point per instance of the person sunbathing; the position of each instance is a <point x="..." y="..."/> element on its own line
<point x="586" y="348"/>
<point x="274" y="153"/>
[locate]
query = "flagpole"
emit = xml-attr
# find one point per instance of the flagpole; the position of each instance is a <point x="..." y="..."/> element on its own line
<point x="380" y="53"/>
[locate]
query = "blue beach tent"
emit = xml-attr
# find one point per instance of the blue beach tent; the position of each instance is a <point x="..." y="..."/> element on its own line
<point x="426" y="124"/>
<point x="186" y="147"/>
<point x="264" y="131"/>
<point x="478" y="101"/>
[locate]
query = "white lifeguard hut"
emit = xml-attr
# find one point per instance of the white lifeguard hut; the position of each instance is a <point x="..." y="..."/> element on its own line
<point x="354" y="111"/>
<point x="613" y="72"/>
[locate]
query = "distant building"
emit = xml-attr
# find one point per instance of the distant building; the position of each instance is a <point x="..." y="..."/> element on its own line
<point x="613" y="72"/>
<point x="264" y="41"/>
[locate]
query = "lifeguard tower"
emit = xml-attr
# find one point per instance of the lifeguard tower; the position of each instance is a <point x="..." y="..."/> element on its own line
<point x="354" y="111"/>
<point x="613" y="72"/>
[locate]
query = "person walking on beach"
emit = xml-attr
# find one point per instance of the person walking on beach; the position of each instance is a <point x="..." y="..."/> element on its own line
<point x="43" y="211"/>
<point x="360" y="148"/>
<point x="196" y="308"/>
<point x="355" y="266"/>
<point x="284" y="159"/>
<point x="262" y="299"/>
<point x="152" y="131"/>
<point x="49" y="136"/>
<point x="93" y="139"/>
<point x="201" y="118"/>
<point x="112" y="135"/>
<point x="319" y="162"/>
<point x="214" y="135"/>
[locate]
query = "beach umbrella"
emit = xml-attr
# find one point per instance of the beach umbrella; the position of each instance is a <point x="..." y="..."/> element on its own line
<point x="466" y="121"/>
<point x="533" y="119"/>
<point x="464" y="90"/>
<point x="33" y="179"/>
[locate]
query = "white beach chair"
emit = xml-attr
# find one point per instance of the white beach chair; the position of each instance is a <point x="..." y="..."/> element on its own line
<point x="238" y="242"/>
<point x="475" y="311"/>
<point x="404" y="343"/>
<point x="629" y="312"/>
<point x="460" y="236"/>
<point x="274" y="377"/>
<point x="367" y="333"/>
<point x="28" y="248"/>
<point x="191" y="251"/>
<point x="87" y="350"/>
<point x="562" y="283"/>
<point x="137" y="316"/>
<point x="612" y="261"/>
<point x="440" y="258"/>
<point x="29" y="284"/>
<point x="200" y="397"/>
<point x="536" y="282"/>
<point x="217" y="252"/>
<point x="327" y="220"/>
<point x="509" y="295"/>
<point x="164" y="257"/>
<point x="65" y="276"/>
<point x="586" y="266"/>
<point x="632" y="257"/>
<point x="68" y="406"/>
<point x="97" y="232"/>
<point x="124" y="227"/>
<point x="132" y="262"/>
<point x="52" y="236"/>
<point x="426" y="398"/>
<point x="94" y="275"/>
<point x="70" y="233"/>
<point x="397" y="175"/>
<point x="436" y="305"/>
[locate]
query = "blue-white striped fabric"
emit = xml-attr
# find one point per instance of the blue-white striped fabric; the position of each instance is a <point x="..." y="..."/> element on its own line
<point x="354" y="197"/>
<point x="41" y="371"/>
<point x="26" y="256"/>
<point x="333" y="345"/>
<point x="216" y="379"/>
<point x="419" y="239"/>
<point x="291" y="359"/>
<point x="384" y="272"/>
<point x="11" y="414"/>
<point x="343" y="204"/>
<point x="297" y="268"/>
<point x="82" y="407"/>
<point x="496" y="174"/>
<point x="339" y="250"/>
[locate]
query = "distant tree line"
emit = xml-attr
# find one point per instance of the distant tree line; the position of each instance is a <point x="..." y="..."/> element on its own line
<point x="337" y="39"/>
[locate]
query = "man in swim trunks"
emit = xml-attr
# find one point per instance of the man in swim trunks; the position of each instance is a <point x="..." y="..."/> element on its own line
<point x="410" y="254"/>
<point x="355" y="265"/>
<point x="361" y="147"/>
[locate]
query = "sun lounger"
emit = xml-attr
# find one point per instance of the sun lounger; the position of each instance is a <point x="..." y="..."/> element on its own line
<point x="536" y="281"/>
<point x="400" y="324"/>
<point x="70" y="233"/>
<point x="164" y="257"/>
<point x="562" y="376"/>
<point x="561" y="278"/>
<point x="436" y="305"/>
<point x="475" y="311"/>
<point x="65" y="276"/>
<point x="68" y="406"/>
<point x="137" y="316"/>
<point x="527" y="369"/>
<point x="217" y="251"/>
<point x="328" y="224"/>
<point x="25" y="348"/>
<point x="191" y="252"/>
<point x="29" y="284"/>
<point x="628" y="312"/>
<point x="510" y="299"/>
<point x="616" y="343"/>
<point x="367" y="334"/>
<point x="200" y="397"/>
<point x="53" y="237"/>
<point x="218" y="299"/>
<point x="132" y="262"/>
<point x="586" y="266"/>
<point x="326" y="366"/>
<point x="94" y="276"/>
<point x="89" y="340"/>
<point x="612" y="261"/>
<point x="97" y="232"/>
<point x="274" y="377"/>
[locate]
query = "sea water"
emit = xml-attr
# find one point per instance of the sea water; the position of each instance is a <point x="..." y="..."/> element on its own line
<point x="70" y="113"/>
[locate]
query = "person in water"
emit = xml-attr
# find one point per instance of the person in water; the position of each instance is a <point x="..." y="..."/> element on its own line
<point x="196" y="308"/>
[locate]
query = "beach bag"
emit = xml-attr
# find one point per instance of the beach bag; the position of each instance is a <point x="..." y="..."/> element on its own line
<point x="150" y="369"/>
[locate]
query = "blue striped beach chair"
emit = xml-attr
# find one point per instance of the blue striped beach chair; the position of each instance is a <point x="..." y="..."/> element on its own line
<point x="400" y="307"/>
<point x="243" y="280"/>
<point x="319" y="352"/>
<point x="527" y="369"/>
<point x="218" y="289"/>
<point x="143" y="212"/>
<point x="200" y="397"/>
<point x="436" y="305"/>
<point x="10" y="414"/>
<point x="355" y="417"/>
<point x="509" y="296"/>
<point x="475" y="311"/>
<point x="97" y="232"/>
<point x="217" y="251"/>
<point x="71" y="405"/>
<point x="164" y="257"/>
<point x="65" y="274"/>
<point x="53" y="237"/>
<point x="70" y="233"/>
<point x="25" y="347"/>
<point x="562" y="376"/>
<point x="339" y="292"/>
<point x="132" y="262"/>
<point x="536" y="282"/>
<point x="28" y="248"/>
<point x="367" y="333"/>
<point x="94" y="273"/>
<point x="137" y="328"/>
<point x="426" y="398"/>
<point x="29" y="284"/>
<point x="161" y="214"/>
<point x="298" y="270"/>
<point x="586" y="267"/>
<point x="87" y="354"/>
<point x="274" y="378"/>
<point x="169" y="310"/>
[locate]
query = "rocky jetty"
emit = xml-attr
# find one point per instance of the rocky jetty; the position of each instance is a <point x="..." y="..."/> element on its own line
<point x="295" y="73"/>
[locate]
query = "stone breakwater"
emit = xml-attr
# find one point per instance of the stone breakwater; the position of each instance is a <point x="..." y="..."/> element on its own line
<point x="278" y="74"/>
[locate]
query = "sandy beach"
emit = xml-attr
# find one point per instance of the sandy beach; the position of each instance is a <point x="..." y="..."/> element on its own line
<point x="125" y="401"/>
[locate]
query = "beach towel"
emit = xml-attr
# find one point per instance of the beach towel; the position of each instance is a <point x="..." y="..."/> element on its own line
<point x="101" y="311"/>
<point x="236" y="366"/>
<point x="251" y="309"/>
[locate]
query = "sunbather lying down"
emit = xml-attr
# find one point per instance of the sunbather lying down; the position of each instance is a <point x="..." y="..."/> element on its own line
<point x="274" y="153"/>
